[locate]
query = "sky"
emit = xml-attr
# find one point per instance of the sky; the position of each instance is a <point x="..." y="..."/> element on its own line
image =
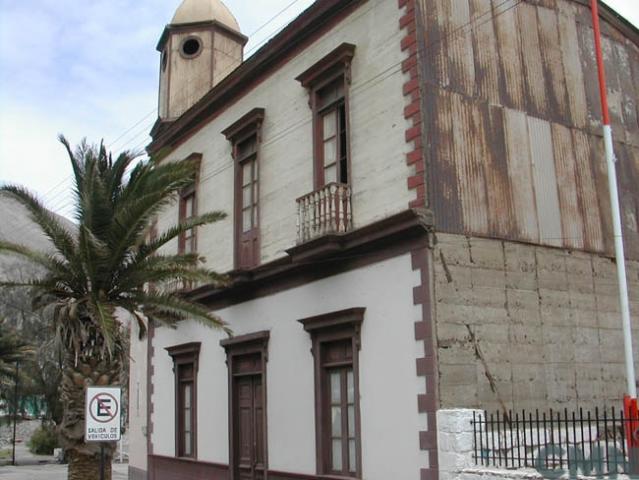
<point x="90" y="69"/>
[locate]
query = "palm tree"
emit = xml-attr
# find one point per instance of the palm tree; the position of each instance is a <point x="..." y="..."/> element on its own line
<point x="97" y="278"/>
<point x="12" y="349"/>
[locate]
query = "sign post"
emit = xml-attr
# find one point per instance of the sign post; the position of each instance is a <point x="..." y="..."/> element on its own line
<point x="102" y="417"/>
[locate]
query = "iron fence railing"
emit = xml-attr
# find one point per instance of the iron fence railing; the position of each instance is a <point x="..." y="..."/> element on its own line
<point x="584" y="442"/>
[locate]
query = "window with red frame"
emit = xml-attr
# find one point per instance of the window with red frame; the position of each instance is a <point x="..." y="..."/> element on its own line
<point x="244" y="136"/>
<point x="327" y="82"/>
<point x="187" y="241"/>
<point x="185" y="366"/>
<point x="188" y="210"/>
<point x="336" y="342"/>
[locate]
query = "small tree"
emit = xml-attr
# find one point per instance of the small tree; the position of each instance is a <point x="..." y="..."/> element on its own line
<point x="103" y="269"/>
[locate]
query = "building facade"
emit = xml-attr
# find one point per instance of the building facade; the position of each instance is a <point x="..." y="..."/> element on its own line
<point x="417" y="218"/>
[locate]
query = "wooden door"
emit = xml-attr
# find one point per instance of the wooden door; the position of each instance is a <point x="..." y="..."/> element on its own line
<point x="249" y="428"/>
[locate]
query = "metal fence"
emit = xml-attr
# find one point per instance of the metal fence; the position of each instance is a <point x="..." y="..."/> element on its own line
<point x="590" y="443"/>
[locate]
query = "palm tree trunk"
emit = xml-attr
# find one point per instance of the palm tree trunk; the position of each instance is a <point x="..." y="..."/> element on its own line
<point x="84" y="458"/>
<point x="84" y="467"/>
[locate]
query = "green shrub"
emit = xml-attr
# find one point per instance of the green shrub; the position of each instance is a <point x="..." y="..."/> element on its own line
<point x="43" y="441"/>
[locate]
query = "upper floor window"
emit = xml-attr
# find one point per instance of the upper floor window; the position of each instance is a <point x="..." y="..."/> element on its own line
<point x="244" y="136"/>
<point x="185" y="365"/>
<point x="327" y="82"/>
<point x="187" y="241"/>
<point x="336" y="342"/>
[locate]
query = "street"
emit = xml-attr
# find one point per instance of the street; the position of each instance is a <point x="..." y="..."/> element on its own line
<point x="52" y="472"/>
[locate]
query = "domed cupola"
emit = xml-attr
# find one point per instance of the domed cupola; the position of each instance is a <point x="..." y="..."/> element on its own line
<point x="201" y="46"/>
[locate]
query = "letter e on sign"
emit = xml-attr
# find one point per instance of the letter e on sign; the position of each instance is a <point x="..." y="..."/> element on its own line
<point x="102" y="414"/>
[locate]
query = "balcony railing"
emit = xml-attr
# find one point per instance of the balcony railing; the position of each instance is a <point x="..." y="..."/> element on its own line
<point x="324" y="211"/>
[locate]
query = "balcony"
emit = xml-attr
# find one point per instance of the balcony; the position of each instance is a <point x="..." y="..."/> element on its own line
<point x="323" y="212"/>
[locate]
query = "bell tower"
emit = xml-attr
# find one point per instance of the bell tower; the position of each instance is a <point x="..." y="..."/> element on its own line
<point x="201" y="46"/>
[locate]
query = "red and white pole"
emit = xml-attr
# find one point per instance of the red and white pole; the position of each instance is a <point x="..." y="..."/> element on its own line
<point x="630" y="401"/>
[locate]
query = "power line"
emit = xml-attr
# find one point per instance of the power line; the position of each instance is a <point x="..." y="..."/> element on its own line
<point x="146" y="127"/>
<point x="391" y="70"/>
<point x="274" y="17"/>
<point x="114" y="142"/>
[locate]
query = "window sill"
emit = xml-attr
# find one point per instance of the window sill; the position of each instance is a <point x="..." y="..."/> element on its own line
<point x="336" y="477"/>
<point x="186" y="459"/>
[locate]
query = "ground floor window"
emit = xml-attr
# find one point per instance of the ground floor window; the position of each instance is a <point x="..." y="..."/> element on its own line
<point x="336" y="343"/>
<point x="185" y="366"/>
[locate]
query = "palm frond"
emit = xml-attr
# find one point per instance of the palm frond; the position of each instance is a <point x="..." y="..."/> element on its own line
<point x="54" y="267"/>
<point x="107" y="324"/>
<point x="49" y="223"/>
<point x="175" y="231"/>
<point x="157" y="305"/>
<point x="106" y="263"/>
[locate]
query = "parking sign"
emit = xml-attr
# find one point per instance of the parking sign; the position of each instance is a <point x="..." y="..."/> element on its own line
<point x="102" y="414"/>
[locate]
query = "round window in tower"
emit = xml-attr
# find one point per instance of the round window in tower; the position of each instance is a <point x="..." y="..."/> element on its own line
<point x="191" y="47"/>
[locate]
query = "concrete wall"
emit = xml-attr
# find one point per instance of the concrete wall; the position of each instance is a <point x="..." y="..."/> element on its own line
<point x="388" y="385"/>
<point x="528" y="327"/>
<point x="378" y="146"/>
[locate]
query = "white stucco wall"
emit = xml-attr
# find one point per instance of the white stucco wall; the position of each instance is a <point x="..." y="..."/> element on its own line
<point x="378" y="147"/>
<point x="388" y="384"/>
<point x="137" y="401"/>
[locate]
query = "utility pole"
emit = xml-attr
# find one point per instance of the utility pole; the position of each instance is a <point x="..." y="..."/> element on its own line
<point x="630" y="399"/>
<point x="15" y="412"/>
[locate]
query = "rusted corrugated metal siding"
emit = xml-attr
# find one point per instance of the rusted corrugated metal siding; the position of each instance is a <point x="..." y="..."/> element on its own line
<point x="520" y="175"/>
<point x="512" y="120"/>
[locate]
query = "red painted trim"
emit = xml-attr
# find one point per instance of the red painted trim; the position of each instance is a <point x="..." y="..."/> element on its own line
<point x="425" y="366"/>
<point x="150" y="351"/>
<point x="412" y="110"/>
<point x="600" y="63"/>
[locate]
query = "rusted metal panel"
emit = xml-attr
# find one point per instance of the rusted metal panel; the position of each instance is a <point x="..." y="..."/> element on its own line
<point x="543" y="3"/>
<point x="614" y="88"/>
<point x="571" y="215"/>
<point x="467" y="130"/>
<point x="589" y="64"/>
<point x="487" y="71"/>
<point x="554" y="76"/>
<point x="598" y="159"/>
<point x="520" y="174"/>
<point x="512" y="121"/>
<point x="545" y="182"/>
<point x="633" y="53"/>
<point x="628" y="95"/>
<point x="569" y="41"/>
<point x="431" y="48"/>
<point x="459" y="45"/>
<point x="587" y="192"/>
<point x="507" y="31"/>
<point x="501" y="219"/>
<point x="533" y="63"/>
<point x="445" y="200"/>
<point x="439" y="47"/>
<point x="628" y="196"/>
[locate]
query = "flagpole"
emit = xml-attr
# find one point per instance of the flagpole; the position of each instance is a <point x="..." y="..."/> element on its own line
<point x="616" y="216"/>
